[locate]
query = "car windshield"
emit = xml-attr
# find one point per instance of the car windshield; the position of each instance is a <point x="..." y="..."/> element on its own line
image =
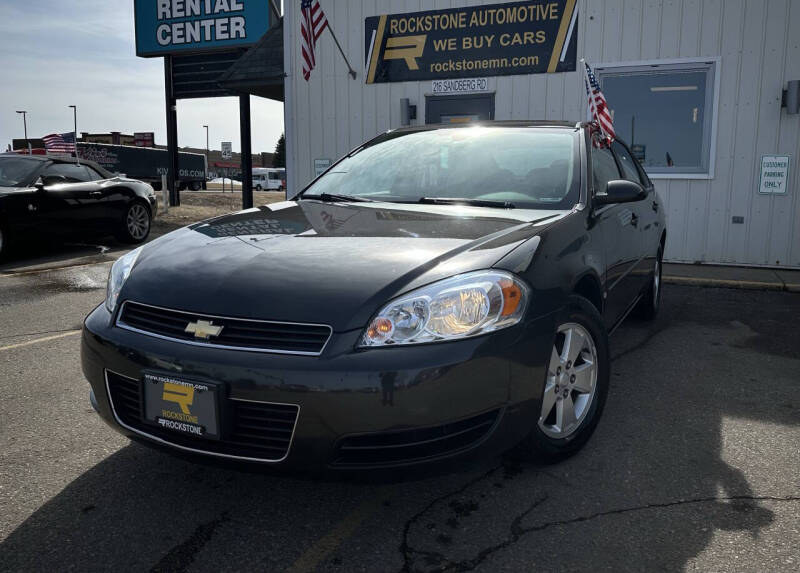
<point x="532" y="168"/>
<point x="16" y="171"/>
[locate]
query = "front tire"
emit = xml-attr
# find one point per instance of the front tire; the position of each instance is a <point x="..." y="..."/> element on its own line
<point x="135" y="224"/>
<point x="258" y="187"/>
<point x="576" y="385"/>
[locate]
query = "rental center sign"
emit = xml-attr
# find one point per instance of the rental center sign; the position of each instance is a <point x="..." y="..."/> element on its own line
<point x="166" y="27"/>
<point x="530" y="37"/>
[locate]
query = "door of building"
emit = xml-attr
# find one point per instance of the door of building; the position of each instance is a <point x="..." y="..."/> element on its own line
<point x="459" y="108"/>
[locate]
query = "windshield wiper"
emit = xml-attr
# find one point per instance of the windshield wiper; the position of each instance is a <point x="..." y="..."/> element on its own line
<point x="336" y="197"/>
<point x="470" y="202"/>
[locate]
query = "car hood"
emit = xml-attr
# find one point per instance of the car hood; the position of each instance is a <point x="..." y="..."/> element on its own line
<point x="315" y="262"/>
<point x="15" y="190"/>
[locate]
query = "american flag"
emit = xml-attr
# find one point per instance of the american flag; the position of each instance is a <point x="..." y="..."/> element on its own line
<point x="312" y="23"/>
<point x="60" y="142"/>
<point x="598" y="105"/>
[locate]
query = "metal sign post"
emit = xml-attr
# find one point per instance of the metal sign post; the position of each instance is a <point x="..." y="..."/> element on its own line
<point x="172" y="134"/>
<point x="247" y="152"/>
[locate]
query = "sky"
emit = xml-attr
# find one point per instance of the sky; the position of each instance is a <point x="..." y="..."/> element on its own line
<point x="58" y="53"/>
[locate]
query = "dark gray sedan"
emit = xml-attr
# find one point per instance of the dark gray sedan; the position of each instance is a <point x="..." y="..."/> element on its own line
<point x="439" y="291"/>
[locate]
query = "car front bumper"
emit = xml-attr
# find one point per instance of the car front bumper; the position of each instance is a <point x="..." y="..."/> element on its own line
<point x="381" y="407"/>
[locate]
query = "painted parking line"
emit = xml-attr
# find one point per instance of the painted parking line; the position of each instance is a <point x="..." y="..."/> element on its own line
<point x="38" y="340"/>
<point x="728" y="283"/>
<point x="13" y="273"/>
<point x="328" y="543"/>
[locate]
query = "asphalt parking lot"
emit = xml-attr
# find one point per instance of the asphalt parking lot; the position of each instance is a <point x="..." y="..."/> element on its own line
<point x="694" y="467"/>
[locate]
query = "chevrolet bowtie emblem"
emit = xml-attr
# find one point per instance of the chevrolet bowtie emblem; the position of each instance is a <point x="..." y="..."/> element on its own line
<point x="203" y="329"/>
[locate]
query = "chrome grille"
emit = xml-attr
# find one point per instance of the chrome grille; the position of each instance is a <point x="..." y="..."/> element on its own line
<point x="237" y="333"/>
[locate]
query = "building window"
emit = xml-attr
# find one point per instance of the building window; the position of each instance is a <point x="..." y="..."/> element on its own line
<point x="665" y="113"/>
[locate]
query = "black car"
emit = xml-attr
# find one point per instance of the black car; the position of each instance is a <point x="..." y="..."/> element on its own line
<point x="43" y="195"/>
<point x="439" y="290"/>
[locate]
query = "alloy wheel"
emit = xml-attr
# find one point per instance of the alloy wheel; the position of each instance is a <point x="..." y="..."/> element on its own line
<point x="138" y="221"/>
<point x="571" y="381"/>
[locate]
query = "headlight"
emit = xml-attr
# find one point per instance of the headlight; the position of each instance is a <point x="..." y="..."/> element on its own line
<point x="458" y="307"/>
<point x="118" y="275"/>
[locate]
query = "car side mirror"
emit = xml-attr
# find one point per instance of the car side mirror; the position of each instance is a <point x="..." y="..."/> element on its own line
<point x="49" y="180"/>
<point x="620" y="191"/>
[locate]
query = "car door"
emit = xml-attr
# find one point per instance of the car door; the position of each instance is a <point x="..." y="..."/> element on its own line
<point x="618" y="227"/>
<point x="650" y="207"/>
<point x="646" y="210"/>
<point x="109" y="201"/>
<point x="70" y="200"/>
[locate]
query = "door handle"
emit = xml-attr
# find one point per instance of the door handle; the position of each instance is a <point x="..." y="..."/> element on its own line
<point x="655" y="206"/>
<point x="96" y="194"/>
<point x="634" y="219"/>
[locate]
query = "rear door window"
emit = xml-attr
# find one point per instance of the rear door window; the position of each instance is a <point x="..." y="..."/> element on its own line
<point x="629" y="170"/>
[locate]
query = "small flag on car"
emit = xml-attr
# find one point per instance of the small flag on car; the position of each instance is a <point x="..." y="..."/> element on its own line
<point x="598" y="105"/>
<point x="312" y="23"/>
<point x="60" y="142"/>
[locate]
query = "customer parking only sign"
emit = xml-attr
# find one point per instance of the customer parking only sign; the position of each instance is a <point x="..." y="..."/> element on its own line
<point x="774" y="174"/>
<point x="531" y="37"/>
<point x="166" y="27"/>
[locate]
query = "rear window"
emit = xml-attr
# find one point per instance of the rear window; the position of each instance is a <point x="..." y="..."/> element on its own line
<point x="530" y="167"/>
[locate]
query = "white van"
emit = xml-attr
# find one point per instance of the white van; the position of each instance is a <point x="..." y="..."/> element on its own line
<point x="269" y="179"/>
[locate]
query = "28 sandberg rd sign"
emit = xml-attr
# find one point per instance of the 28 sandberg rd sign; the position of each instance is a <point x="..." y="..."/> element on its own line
<point x="459" y="86"/>
<point x="165" y="27"/>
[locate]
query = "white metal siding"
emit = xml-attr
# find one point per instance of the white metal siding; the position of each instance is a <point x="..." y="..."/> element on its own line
<point x="757" y="42"/>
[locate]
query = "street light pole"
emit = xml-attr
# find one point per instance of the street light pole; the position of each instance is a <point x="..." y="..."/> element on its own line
<point x="205" y="183"/>
<point x="75" y="127"/>
<point x="25" y="126"/>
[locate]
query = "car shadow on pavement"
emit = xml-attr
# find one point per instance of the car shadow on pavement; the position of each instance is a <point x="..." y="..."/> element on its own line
<point x="660" y="478"/>
<point x="664" y="473"/>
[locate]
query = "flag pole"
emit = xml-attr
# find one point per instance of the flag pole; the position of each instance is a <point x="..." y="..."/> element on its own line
<point x="341" y="51"/>
<point x="588" y="91"/>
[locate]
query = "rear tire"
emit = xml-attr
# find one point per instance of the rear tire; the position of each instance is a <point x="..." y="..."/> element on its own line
<point x="576" y="385"/>
<point x="135" y="224"/>
<point x="648" y="306"/>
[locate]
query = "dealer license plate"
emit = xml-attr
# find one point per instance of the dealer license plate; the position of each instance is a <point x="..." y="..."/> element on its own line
<point x="181" y="406"/>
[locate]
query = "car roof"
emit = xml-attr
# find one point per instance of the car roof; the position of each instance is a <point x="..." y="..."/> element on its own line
<point x="493" y="123"/>
<point x="26" y="156"/>
<point x="63" y="160"/>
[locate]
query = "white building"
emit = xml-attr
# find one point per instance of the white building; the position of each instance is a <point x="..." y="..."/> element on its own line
<point x="695" y="85"/>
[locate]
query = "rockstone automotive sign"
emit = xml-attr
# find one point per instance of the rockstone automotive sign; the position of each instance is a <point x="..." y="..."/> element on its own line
<point x="166" y="27"/>
<point x="535" y="36"/>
